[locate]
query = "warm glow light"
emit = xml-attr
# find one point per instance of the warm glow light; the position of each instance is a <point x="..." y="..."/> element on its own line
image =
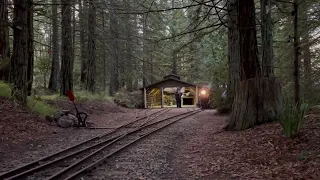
<point x="203" y="92"/>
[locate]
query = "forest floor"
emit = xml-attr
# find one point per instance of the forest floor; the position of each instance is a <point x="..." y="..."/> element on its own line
<point x="195" y="148"/>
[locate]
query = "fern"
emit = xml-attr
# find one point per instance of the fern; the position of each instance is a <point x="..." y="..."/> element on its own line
<point x="292" y="118"/>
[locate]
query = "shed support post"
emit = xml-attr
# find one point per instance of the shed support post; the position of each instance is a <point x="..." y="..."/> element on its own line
<point x="197" y="96"/>
<point x="162" y="100"/>
<point x="145" y="98"/>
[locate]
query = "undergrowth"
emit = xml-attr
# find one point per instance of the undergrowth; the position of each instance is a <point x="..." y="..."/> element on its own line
<point x="293" y="118"/>
<point x="5" y="89"/>
<point x="34" y="104"/>
<point x="80" y="96"/>
<point x="128" y="99"/>
<point x="40" y="107"/>
<point x="85" y="95"/>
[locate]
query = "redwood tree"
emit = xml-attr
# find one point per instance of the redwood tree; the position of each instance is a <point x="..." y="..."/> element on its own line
<point x="53" y="82"/>
<point x="66" y="82"/>
<point x="30" y="45"/>
<point x="4" y="41"/>
<point x="19" y="60"/>
<point x="233" y="51"/>
<point x="91" y="72"/>
<point x="258" y="99"/>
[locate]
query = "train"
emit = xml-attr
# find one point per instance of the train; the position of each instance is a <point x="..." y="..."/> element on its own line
<point x="205" y="95"/>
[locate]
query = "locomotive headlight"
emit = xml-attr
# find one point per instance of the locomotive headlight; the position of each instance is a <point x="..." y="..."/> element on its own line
<point x="203" y="92"/>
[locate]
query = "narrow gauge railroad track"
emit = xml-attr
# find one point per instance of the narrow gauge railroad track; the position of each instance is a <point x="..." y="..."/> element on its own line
<point x="95" y="159"/>
<point x="84" y="147"/>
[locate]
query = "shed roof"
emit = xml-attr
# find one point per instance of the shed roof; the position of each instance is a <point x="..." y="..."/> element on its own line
<point x="170" y="82"/>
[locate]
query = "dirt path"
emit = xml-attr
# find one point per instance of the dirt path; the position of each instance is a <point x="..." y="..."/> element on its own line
<point x="194" y="148"/>
<point x="16" y="151"/>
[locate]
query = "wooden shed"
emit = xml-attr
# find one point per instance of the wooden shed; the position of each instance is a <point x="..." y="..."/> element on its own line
<point x="161" y="94"/>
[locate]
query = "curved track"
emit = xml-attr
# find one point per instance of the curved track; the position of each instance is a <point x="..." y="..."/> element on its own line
<point x="87" y="164"/>
<point x="79" y="149"/>
<point x="77" y="163"/>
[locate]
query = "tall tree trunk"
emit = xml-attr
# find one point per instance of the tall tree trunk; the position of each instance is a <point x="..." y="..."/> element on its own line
<point x="83" y="78"/>
<point x="91" y="76"/>
<point x="19" y="60"/>
<point x="4" y="41"/>
<point x="151" y="64"/>
<point x="30" y="45"/>
<point x="249" y="62"/>
<point x="129" y="52"/>
<point x="66" y="80"/>
<point x="53" y="82"/>
<point x="267" y="41"/>
<point x="114" y="68"/>
<point x="173" y="33"/>
<point x="74" y="28"/>
<point x="233" y="51"/>
<point x="194" y="18"/>
<point x="145" y="53"/>
<point x="305" y="49"/>
<point x="104" y="53"/>
<point x="258" y="100"/>
<point x="307" y="68"/>
<point x="296" y="54"/>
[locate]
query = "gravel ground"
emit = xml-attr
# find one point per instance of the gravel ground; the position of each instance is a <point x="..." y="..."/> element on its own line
<point x="159" y="155"/>
<point x="198" y="148"/>
<point x="18" y="153"/>
<point x="194" y="148"/>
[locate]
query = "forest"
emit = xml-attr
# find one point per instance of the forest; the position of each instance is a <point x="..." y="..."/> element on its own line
<point x="265" y="54"/>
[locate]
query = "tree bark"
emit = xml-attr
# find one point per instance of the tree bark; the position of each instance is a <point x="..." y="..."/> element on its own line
<point x="258" y="99"/>
<point x="4" y="41"/>
<point x="233" y="51"/>
<point x="129" y="51"/>
<point x="306" y="53"/>
<point x="91" y="73"/>
<point x="249" y="63"/>
<point x="19" y="60"/>
<point x="173" y="33"/>
<point x="145" y="53"/>
<point x="296" y="38"/>
<point x="30" y="45"/>
<point x="83" y="76"/>
<point x="267" y="39"/>
<point x="74" y="28"/>
<point x="104" y="49"/>
<point x="307" y="68"/>
<point x="53" y="82"/>
<point x="66" y="77"/>
<point x="114" y="68"/>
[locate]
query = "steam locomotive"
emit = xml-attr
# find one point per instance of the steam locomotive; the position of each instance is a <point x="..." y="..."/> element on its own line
<point x="205" y="94"/>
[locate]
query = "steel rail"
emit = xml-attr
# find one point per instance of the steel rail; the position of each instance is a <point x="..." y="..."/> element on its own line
<point x="32" y="166"/>
<point x="64" y="172"/>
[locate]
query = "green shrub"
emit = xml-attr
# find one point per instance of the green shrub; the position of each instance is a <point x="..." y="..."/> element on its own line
<point x="33" y="103"/>
<point x="5" y="89"/>
<point x="128" y="99"/>
<point x="79" y="96"/>
<point x="292" y="118"/>
<point x="40" y="107"/>
<point x="85" y="95"/>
